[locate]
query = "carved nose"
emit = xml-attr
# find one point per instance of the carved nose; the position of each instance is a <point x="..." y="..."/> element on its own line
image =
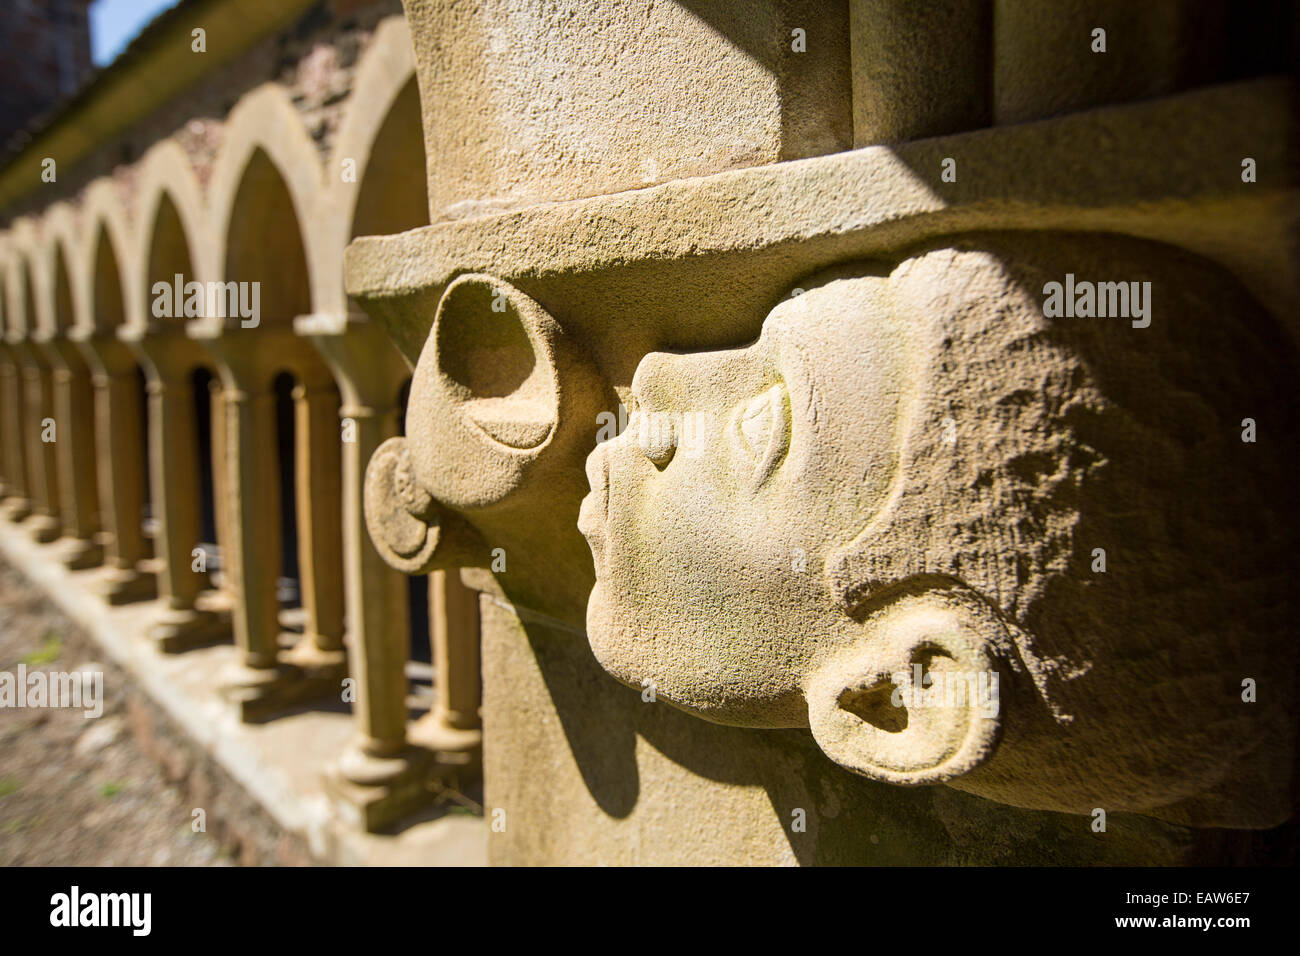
<point x="655" y="433"/>
<point x="658" y="389"/>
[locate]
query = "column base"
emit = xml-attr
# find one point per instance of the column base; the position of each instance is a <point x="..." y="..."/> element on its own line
<point x="83" y="553"/>
<point x="182" y="630"/>
<point x="308" y="656"/>
<point x="128" y="585"/>
<point x="257" y="692"/>
<point x="16" y="509"/>
<point x="45" y="528"/>
<point x="303" y="674"/>
<point x="374" y="791"/>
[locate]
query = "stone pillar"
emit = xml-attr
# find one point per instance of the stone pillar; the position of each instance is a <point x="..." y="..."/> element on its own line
<point x="17" y="505"/>
<point x="170" y="360"/>
<point x="121" y="475"/>
<point x="454" y="623"/>
<point x="6" y="488"/>
<point x="74" y="406"/>
<point x="42" y="466"/>
<point x="381" y="775"/>
<point x="266" y="680"/>
<point x="252" y="553"/>
<point x="452" y="730"/>
<point x="220" y="480"/>
<point x="320" y="528"/>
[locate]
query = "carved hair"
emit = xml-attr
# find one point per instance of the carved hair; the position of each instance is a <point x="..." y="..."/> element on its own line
<point x="1034" y="442"/>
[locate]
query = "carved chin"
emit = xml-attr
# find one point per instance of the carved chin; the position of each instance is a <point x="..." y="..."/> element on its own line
<point x="603" y="635"/>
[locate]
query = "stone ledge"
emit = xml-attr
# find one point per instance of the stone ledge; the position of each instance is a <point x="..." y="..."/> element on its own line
<point x="281" y="764"/>
<point x="686" y="262"/>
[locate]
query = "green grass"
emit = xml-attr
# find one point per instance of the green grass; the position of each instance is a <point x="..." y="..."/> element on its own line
<point x="111" y="789"/>
<point x="48" y="654"/>
<point x="9" y="785"/>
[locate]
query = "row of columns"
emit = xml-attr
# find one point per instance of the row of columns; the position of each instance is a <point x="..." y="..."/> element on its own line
<point x="84" y="485"/>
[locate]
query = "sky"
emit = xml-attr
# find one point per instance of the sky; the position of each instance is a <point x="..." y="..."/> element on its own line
<point x="114" y="24"/>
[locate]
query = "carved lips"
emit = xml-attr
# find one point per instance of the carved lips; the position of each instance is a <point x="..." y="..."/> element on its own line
<point x="594" y="511"/>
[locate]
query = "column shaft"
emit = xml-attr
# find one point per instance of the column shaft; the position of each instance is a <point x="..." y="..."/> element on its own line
<point x="121" y="478"/>
<point x="15" y="438"/>
<point x="378" y="607"/>
<point x="317" y="475"/>
<point x="75" y="414"/>
<point x="220" y="476"/>
<point x="173" y="452"/>
<point x="42" y="464"/>
<point x="454" y="629"/>
<point x="252" y="554"/>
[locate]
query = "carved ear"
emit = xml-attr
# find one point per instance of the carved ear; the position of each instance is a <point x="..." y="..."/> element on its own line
<point x="410" y="531"/>
<point x="918" y="701"/>
<point x="401" y="516"/>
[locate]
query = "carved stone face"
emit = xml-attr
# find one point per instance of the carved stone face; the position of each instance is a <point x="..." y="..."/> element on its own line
<point x="718" y="504"/>
<point x="917" y="472"/>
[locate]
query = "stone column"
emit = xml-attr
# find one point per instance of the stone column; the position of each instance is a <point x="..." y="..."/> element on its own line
<point x="42" y="466"/>
<point x="379" y="616"/>
<point x="248" y="514"/>
<point x="17" y="505"/>
<point x="251" y="556"/>
<point x="6" y="487"/>
<point x="74" y="406"/>
<point x="220" y="482"/>
<point x="380" y="776"/>
<point x="320" y="527"/>
<point x="454" y="624"/>
<point x="121" y="474"/>
<point x="170" y="360"/>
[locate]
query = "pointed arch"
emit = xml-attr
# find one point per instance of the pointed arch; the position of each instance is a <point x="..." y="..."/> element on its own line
<point x="383" y="132"/>
<point x="108" y="308"/>
<point x="267" y="144"/>
<point x="66" y="277"/>
<point x="27" y="270"/>
<point x="108" y="250"/>
<point x="172" y="222"/>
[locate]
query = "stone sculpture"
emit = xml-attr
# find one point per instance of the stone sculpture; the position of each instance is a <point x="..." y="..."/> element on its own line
<point x="1031" y="558"/>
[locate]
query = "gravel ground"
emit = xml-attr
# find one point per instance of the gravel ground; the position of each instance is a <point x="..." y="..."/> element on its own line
<point x="78" y="791"/>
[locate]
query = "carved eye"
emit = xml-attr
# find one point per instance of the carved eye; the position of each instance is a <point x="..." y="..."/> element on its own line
<point x="761" y="432"/>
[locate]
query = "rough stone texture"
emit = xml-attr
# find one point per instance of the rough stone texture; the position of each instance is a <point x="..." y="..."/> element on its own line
<point x="919" y="69"/>
<point x="549" y="101"/>
<point x="1045" y="64"/>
